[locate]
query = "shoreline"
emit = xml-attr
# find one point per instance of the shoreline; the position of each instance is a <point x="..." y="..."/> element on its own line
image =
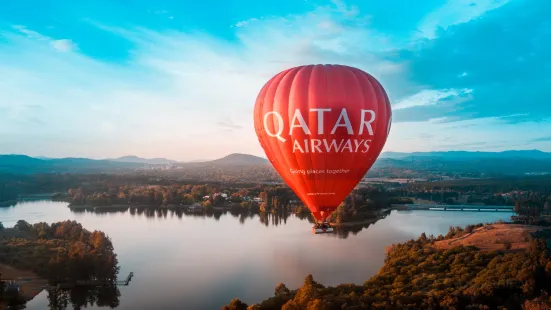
<point x="359" y="223"/>
<point x="8" y="203"/>
<point x="127" y="206"/>
<point x="30" y="283"/>
<point x="355" y="223"/>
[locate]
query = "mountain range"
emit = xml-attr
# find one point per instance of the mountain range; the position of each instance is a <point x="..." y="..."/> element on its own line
<point x="507" y="162"/>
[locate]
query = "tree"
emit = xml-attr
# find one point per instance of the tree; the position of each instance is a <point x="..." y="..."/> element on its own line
<point x="208" y="206"/>
<point x="281" y="289"/>
<point x="218" y="200"/>
<point x="236" y="198"/>
<point x="235" y="304"/>
<point x="188" y="199"/>
<point x="22" y="225"/>
<point x="1" y="226"/>
<point x="423" y="237"/>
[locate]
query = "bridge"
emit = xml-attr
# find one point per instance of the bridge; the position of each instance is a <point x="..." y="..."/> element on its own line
<point x="479" y="208"/>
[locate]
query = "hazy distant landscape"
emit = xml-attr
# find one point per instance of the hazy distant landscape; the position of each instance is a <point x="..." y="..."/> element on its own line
<point x="453" y="163"/>
<point x="44" y="200"/>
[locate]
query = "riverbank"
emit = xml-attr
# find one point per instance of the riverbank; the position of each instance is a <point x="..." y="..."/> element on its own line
<point x="225" y="207"/>
<point x="8" y="203"/>
<point x="355" y="223"/>
<point x="30" y="284"/>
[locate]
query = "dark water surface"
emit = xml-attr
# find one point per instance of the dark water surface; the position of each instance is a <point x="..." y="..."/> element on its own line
<point x="191" y="262"/>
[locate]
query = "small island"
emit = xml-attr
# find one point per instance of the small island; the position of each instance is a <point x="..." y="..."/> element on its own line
<point x="56" y="257"/>
<point x="484" y="266"/>
<point x="363" y="203"/>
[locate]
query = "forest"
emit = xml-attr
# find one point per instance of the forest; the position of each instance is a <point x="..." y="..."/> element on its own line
<point x="417" y="275"/>
<point x="63" y="252"/>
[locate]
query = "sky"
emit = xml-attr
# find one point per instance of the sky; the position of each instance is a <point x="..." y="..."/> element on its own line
<point x="178" y="79"/>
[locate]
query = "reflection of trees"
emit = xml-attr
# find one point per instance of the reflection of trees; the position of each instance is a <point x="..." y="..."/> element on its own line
<point x="271" y="218"/>
<point x="344" y="231"/>
<point x="84" y="297"/>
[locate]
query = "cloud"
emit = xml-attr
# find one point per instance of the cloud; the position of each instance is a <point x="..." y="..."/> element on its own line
<point x="542" y="139"/>
<point x="64" y="45"/>
<point x="496" y="133"/>
<point x="229" y="125"/>
<point x="430" y="97"/>
<point x="455" y="12"/>
<point x="501" y="55"/>
<point x="245" y="22"/>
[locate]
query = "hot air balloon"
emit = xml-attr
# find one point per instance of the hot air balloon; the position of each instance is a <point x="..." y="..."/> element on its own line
<point x="322" y="127"/>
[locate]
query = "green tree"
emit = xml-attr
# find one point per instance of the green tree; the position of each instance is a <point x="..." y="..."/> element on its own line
<point x="22" y="225"/>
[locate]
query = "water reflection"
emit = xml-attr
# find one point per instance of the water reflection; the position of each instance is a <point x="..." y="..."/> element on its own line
<point x="82" y="297"/>
<point x="266" y="218"/>
<point x="187" y="260"/>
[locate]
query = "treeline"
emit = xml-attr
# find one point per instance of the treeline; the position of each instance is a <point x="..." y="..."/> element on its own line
<point x="11" y="185"/>
<point x="273" y="197"/>
<point x="416" y="275"/>
<point x="497" y="191"/>
<point x="364" y="203"/>
<point x="535" y="210"/>
<point x="64" y="252"/>
<point x="360" y="204"/>
<point x="540" y="184"/>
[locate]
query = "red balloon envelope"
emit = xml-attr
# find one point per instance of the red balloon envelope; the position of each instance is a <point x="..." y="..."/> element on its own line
<point x="322" y="128"/>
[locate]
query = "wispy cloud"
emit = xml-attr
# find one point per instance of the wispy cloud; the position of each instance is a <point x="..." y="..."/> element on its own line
<point x="455" y="12"/>
<point x="229" y="125"/>
<point x="430" y="97"/>
<point x="64" y="45"/>
<point x="244" y="23"/>
<point x="542" y="139"/>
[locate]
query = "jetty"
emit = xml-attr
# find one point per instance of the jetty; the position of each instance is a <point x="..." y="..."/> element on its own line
<point x="94" y="282"/>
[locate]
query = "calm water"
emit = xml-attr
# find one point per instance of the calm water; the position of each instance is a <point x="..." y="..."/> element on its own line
<point x="202" y="263"/>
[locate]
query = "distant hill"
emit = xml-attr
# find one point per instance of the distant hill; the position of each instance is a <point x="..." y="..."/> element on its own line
<point x="22" y="164"/>
<point x="508" y="163"/>
<point x="231" y="160"/>
<point x="466" y="155"/>
<point x="136" y="159"/>
<point x="239" y="159"/>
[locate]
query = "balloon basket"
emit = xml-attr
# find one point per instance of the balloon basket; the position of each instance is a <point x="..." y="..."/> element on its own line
<point x="323" y="228"/>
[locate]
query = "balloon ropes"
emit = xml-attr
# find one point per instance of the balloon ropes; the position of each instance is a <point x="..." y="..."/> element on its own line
<point x="322" y="127"/>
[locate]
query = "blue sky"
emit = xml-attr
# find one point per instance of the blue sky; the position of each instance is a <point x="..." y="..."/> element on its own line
<point x="178" y="79"/>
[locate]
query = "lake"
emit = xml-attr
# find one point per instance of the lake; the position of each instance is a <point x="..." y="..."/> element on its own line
<point x="195" y="262"/>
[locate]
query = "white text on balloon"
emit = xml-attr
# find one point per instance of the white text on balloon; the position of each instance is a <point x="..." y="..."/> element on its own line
<point x="298" y="121"/>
